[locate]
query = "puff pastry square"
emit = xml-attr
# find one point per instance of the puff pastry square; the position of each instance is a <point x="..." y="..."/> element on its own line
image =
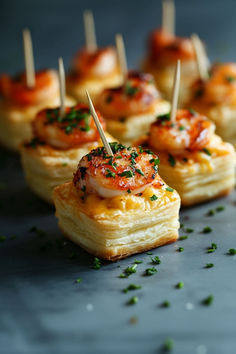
<point x="15" y="122"/>
<point x="114" y="228"/>
<point x="133" y="127"/>
<point x="46" y="167"/>
<point x="201" y="177"/>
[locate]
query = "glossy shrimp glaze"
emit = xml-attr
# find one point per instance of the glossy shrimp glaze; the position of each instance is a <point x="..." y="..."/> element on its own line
<point x="130" y="170"/>
<point x="98" y="63"/>
<point x="165" y="48"/>
<point x="16" y="92"/>
<point x="220" y="88"/>
<point x="137" y="95"/>
<point x="190" y="132"/>
<point x="76" y="127"/>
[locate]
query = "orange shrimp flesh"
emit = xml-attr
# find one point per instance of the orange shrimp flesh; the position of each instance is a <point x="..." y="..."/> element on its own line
<point x="75" y="128"/>
<point x="190" y="132"/>
<point x="137" y="95"/>
<point x="130" y="170"/>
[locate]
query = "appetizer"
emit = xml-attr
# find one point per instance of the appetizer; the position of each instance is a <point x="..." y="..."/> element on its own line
<point x="52" y="156"/>
<point x="164" y="49"/>
<point x="100" y="209"/>
<point x="19" y="104"/>
<point x="94" y="71"/>
<point x="216" y="98"/>
<point x="130" y="108"/>
<point x="194" y="160"/>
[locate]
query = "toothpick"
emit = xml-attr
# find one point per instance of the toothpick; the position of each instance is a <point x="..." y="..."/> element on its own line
<point x="98" y="125"/>
<point x="120" y="47"/>
<point x="62" y="87"/>
<point x="29" y="59"/>
<point x="201" y="56"/>
<point x="168" y="16"/>
<point x="89" y="29"/>
<point x="175" y="92"/>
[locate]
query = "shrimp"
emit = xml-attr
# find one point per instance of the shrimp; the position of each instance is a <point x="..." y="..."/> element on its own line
<point x="221" y="86"/>
<point x="16" y="92"/>
<point x="75" y="128"/>
<point x="99" y="63"/>
<point x="130" y="170"/>
<point x="137" y="95"/>
<point x="190" y="132"/>
<point x="165" y="48"/>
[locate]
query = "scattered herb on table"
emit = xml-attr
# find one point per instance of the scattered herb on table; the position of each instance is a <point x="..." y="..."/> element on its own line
<point x="212" y="248"/>
<point x="78" y="280"/>
<point x="137" y="261"/>
<point x="168" y="345"/>
<point x="207" y="230"/>
<point x="150" y="271"/>
<point x="131" y="287"/>
<point x="209" y="265"/>
<point x="180" y="285"/>
<point x="189" y="230"/>
<point x="232" y="251"/>
<point x="133" y="300"/>
<point x="96" y="263"/>
<point x="156" y="260"/>
<point x="183" y="238"/>
<point x="208" y="300"/>
<point x="180" y="249"/>
<point x="220" y="208"/>
<point x="2" y="238"/>
<point x="165" y="304"/>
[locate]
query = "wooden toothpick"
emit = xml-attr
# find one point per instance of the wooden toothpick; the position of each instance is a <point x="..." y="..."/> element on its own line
<point x="175" y="93"/>
<point x="201" y="56"/>
<point x="98" y="125"/>
<point x="120" y="47"/>
<point x="89" y="29"/>
<point x="29" y="59"/>
<point x="62" y="87"/>
<point x="168" y="16"/>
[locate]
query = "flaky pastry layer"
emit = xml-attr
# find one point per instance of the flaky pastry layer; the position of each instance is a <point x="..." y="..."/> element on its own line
<point x="118" y="227"/>
<point x="133" y="127"/>
<point x="46" y="167"/>
<point x="201" y="177"/>
<point x="15" y="122"/>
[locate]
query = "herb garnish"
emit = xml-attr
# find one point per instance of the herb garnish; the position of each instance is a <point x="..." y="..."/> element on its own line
<point x="168" y="345"/>
<point x="156" y="260"/>
<point x="169" y="189"/>
<point x="180" y="249"/>
<point x="171" y="160"/>
<point x="150" y="271"/>
<point x="78" y="280"/>
<point x="130" y="90"/>
<point x="153" y="197"/>
<point x="180" y="285"/>
<point x="2" y="238"/>
<point x="232" y="251"/>
<point x="133" y="300"/>
<point x="132" y="287"/>
<point x="212" y="248"/>
<point x="96" y="263"/>
<point x="165" y="304"/>
<point x="208" y="300"/>
<point x="183" y="238"/>
<point x="127" y="174"/>
<point x="207" y="230"/>
<point x="206" y="151"/>
<point x="209" y="265"/>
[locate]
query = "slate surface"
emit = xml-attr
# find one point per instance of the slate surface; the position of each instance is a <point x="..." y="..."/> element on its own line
<point x="42" y="309"/>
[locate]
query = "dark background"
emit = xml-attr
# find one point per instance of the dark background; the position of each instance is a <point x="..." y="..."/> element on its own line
<point x="42" y="309"/>
<point x="57" y="27"/>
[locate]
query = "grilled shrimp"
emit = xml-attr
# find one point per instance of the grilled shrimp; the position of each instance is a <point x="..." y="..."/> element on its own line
<point x="221" y="86"/>
<point x="16" y="91"/>
<point x="190" y="132"/>
<point x="165" y="48"/>
<point x="135" y="96"/>
<point x="99" y="63"/>
<point x="75" y="128"/>
<point x="130" y="170"/>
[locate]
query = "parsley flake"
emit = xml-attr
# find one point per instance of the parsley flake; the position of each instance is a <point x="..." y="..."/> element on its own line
<point x="153" y="197"/>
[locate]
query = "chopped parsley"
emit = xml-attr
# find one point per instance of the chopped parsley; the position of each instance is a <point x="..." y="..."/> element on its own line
<point x="127" y="174"/>
<point x="139" y="171"/>
<point x="206" y="151"/>
<point x="207" y="230"/>
<point x="209" y="265"/>
<point x="208" y="300"/>
<point x="96" y="263"/>
<point x="181" y="127"/>
<point x="150" y="271"/>
<point x="130" y="90"/>
<point x="180" y="285"/>
<point x="220" y="208"/>
<point x="165" y="304"/>
<point x="232" y="251"/>
<point x="156" y="260"/>
<point x="137" y="261"/>
<point x="212" y="248"/>
<point x="78" y="280"/>
<point x="180" y="249"/>
<point x="211" y="212"/>
<point x="230" y="78"/>
<point x="171" y="160"/>
<point x="169" y="189"/>
<point x="168" y="345"/>
<point x="149" y="253"/>
<point x="183" y="238"/>
<point x="133" y="300"/>
<point x="2" y="238"/>
<point x="109" y="173"/>
<point x="128" y="191"/>
<point x="128" y="271"/>
<point x="131" y="287"/>
<point x="153" y="197"/>
<point x="189" y="230"/>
